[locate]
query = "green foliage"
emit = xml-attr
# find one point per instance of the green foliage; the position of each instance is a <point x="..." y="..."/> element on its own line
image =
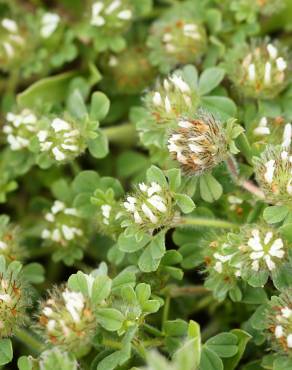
<point x="145" y="184"/>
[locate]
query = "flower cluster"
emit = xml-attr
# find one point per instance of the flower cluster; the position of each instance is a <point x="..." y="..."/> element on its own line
<point x="139" y="74"/>
<point x="67" y="320"/>
<point x="14" y="298"/>
<point x="266" y="130"/>
<point x="171" y="98"/>
<point x="176" y="41"/>
<point x="261" y="249"/>
<point x="112" y="16"/>
<point x="12" y="43"/>
<point x="109" y="213"/>
<point x="149" y="208"/>
<point x="273" y="171"/>
<point x="198" y="144"/>
<point x="222" y="276"/>
<point x="279" y="322"/>
<point x="10" y="246"/>
<point x="55" y="358"/>
<point x="62" y="140"/>
<point x="49" y="24"/>
<point x="20" y="128"/>
<point x="263" y="71"/>
<point x="249" y="9"/>
<point x="64" y="226"/>
<point x="253" y="254"/>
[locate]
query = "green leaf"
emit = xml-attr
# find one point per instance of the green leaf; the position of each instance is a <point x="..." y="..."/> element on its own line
<point x="86" y="181"/>
<point x="76" y="106"/>
<point x="78" y="283"/>
<point x="174" y="178"/>
<point x="130" y="163"/>
<point x="154" y="174"/>
<point x="184" y="202"/>
<point x="99" y="107"/>
<point x="50" y="90"/>
<point x="286" y="231"/>
<point x="101" y="289"/>
<point x="98" y="147"/>
<point x="274" y="214"/>
<point x="129" y="244"/>
<point x="110" y="362"/>
<point x="242" y="339"/>
<point x="224" y="344"/>
<point x="6" y="351"/>
<point x="146" y="262"/>
<point x="24" y="363"/>
<point x="209" y="79"/>
<point x="110" y="318"/>
<point x="34" y="272"/>
<point x="210" y="360"/>
<point x="62" y="191"/>
<point x="210" y="188"/>
<point x="219" y="105"/>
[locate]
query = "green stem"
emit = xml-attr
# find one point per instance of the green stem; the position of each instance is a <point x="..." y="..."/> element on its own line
<point x="151" y="330"/>
<point x="118" y="345"/>
<point x="206" y="222"/>
<point x="165" y="311"/>
<point x="29" y="340"/>
<point x="178" y="291"/>
<point x="124" y="134"/>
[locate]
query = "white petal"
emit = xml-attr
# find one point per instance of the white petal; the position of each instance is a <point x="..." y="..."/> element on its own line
<point x="148" y="213"/>
<point x="271" y="265"/>
<point x="157" y="99"/>
<point x="278" y="331"/>
<point x="289" y="341"/>
<point x="59" y="156"/>
<point x="59" y="124"/>
<point x="281" y="64"/>
<point x="273" y="51"/>
<point x="268" y="70"/>
<point x="113" y="6"/>
<point x="10" y="25"/>
<point x="125" y="14"/>
<point x="57" y="206"/>
<point x="251" y="72"/>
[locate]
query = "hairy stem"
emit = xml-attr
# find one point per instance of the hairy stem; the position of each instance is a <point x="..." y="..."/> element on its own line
<point x="206" y="222"/>
<point x="30" y="340"/>
<point x="245" y="184"/>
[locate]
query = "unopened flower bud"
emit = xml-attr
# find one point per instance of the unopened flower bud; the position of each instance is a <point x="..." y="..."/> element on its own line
<point x="19" y="128"/>
<point x="64" y="228"/>
<point x="14" y="298"/>
<point x="10" y="246"/>
<point x="261" y="73"/>
<point x="66" y="319"/>
<point x="273" y="171"/>
<point x="198" y="144"/>
<point x="176" y="40"/>
<point x="111" y="16"/>
<point x="62" y="140"/>
<point x="278" y="320"/>
<point x="58" y="359"/>
<point x="150" y="207"/>
<point x="172" y="98"/>
<point x="109" y="213"/>
<point x="128" y="72"/>
<point x="12" y="44"/>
